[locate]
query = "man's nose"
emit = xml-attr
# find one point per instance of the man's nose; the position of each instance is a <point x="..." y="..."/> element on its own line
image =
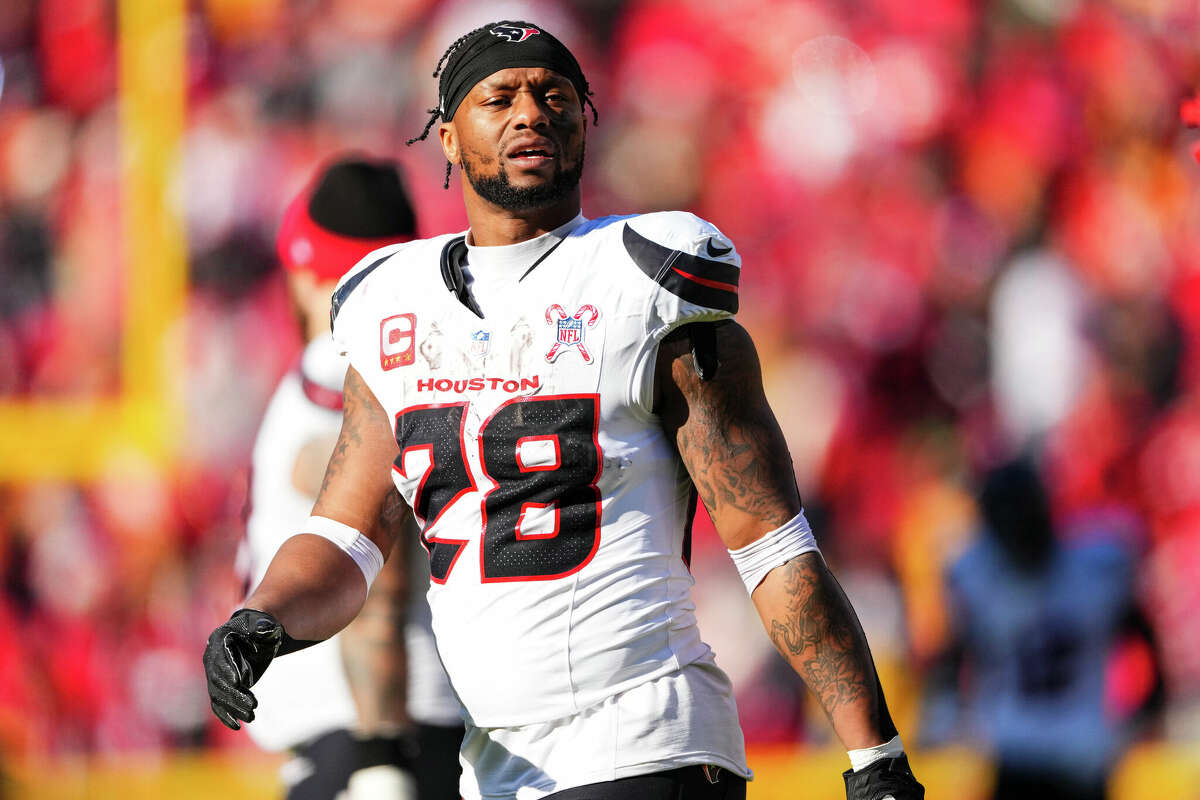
<point x="528" y="111"/>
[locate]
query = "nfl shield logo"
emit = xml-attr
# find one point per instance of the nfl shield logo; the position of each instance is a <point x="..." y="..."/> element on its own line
<point x="570" y="331"/>
<point x="481" y="340"/>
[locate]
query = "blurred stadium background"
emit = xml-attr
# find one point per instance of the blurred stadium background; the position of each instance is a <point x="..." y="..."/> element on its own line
<point x="970" y="230"/>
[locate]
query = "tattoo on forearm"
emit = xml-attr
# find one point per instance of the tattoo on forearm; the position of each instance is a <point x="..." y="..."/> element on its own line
<point x="820" y="636"/>
<point x="375" y="665"/>
<point x="730" y="440"/>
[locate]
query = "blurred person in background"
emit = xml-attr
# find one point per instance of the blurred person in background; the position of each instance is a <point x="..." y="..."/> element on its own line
<point x="1040" y="623"/>
<point x="568" y="628"/>
<point x="341" y="706"/>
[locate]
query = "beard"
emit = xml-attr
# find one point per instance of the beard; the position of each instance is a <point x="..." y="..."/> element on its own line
<point x="499" y="191"/>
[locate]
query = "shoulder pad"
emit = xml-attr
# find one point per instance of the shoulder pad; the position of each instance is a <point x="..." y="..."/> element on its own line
<point x="681" y="230"/>
<point x="348" y="285"/>
<point x="356" y="274"/>
<point x="687" y="256"/>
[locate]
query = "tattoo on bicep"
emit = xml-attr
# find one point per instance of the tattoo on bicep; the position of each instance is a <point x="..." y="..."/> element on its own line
<point x="730" y="441"/>
<point x="356" y="399"/>
<point x="392" y="523"/>
<point x="821" y="637"/>
<point x="393" y="511"/>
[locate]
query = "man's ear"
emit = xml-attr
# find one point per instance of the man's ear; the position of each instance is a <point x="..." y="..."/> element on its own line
<point x="448" y="135"/>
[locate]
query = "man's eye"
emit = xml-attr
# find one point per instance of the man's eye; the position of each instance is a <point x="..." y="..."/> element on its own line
<point x="496" y="101"/>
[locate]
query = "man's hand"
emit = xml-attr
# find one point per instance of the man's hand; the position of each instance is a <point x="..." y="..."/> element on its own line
<point x="237" y="654"/>
<point x="886" y="779"/>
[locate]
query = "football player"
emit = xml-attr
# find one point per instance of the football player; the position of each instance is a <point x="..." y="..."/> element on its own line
<point x="340" y="706"/>
<point x="550" y="394"/>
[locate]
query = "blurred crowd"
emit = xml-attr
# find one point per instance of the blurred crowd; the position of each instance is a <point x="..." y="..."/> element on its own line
<point x="971" y="237"/>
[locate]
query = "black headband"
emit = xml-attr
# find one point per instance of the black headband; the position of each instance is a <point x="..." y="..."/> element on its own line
<point x="504" y="45"/>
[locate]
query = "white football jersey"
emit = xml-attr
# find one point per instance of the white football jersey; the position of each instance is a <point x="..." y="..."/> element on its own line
<point x="305" y="694"/>
<point x="554" y="509"/>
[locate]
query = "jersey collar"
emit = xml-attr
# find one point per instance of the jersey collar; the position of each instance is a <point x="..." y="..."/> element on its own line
<point x="514" y="259"/>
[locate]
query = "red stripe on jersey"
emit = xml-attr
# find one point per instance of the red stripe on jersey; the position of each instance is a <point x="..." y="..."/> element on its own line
<point x="727" y="287"/>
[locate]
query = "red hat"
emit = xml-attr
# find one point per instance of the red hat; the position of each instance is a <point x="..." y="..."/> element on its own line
<point x="354" y="206"/>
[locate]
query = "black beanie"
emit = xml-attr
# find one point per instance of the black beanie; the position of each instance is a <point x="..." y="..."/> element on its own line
<point x="362" y="198"/>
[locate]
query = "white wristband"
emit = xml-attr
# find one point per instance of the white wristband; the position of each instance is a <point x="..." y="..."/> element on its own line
<point x="866" y="756"/>
<point x="361" y="549"/>
<point x="775" y="548"/>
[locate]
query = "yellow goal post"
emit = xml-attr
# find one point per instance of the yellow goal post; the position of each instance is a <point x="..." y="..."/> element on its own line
<point x="76" y="438"/>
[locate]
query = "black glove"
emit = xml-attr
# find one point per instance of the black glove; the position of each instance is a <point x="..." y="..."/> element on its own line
<point x="886" y="778"/>
<point x="237" y="654"/>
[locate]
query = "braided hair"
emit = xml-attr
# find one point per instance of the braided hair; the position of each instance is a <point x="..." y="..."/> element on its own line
<point x="443" y="66"/>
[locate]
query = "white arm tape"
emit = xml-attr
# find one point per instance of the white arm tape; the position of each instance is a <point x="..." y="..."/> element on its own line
<point x="865" y="757"/>
<point x="361" y="549"/>
<point x="775" y="548"/>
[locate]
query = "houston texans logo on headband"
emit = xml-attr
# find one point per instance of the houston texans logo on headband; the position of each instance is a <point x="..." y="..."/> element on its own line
<point x="514" y="33"/>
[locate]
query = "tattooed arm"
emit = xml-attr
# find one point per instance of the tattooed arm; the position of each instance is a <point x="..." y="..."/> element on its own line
<point x="736" y="455"/>
<point x="311" y="586"/>
<point x="372" y="645"/>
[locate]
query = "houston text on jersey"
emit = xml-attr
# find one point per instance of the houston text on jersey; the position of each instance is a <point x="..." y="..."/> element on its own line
<point x="478" y="384"/>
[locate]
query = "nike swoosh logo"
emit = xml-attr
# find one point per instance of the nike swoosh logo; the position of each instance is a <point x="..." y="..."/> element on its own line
<point x="715" y="252"/>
